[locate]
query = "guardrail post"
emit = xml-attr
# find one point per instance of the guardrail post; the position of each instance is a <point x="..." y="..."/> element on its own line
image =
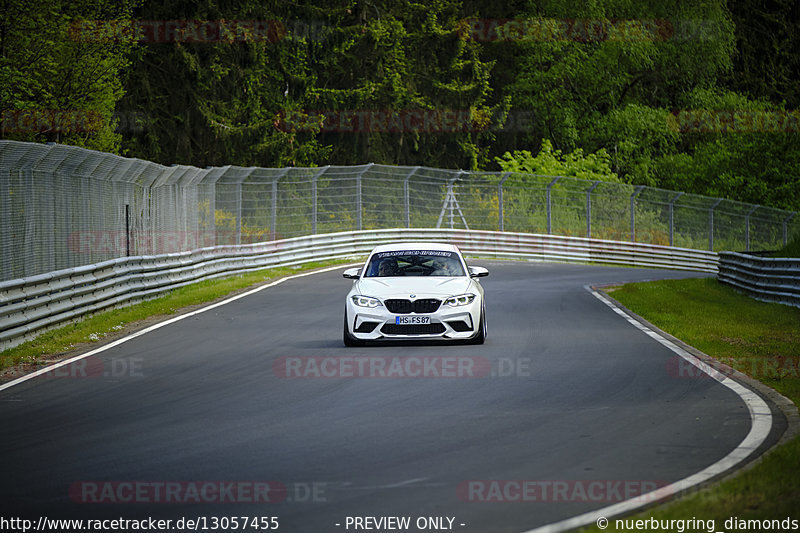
<point x="711" y="225"/>
<point x="786" y="227"/>
<point x="274" y="213"/>
<point x="672" y="218"/>
<point x="500" y="200"/>
<point x="314" y="179"/>
<point x="747" y="228"/>
<point x="549" y="214"/>
<point x="406" y="197"/>
<point x="589" y="209"/>
<point x="636" y="193"/>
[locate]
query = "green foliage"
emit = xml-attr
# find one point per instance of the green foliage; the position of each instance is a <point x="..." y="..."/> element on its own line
<point x="280" y="102"/>
<point x="637" y="136"/>
<point x="767" y="62"/>
<point x="792" y="248"/>
<point x="68" y="85"/>
<point x="571" y="82"/>
<point x="752" y="164"/>
<point x="551" y="162"/>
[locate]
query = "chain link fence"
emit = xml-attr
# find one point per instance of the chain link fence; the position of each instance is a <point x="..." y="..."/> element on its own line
<point x="64" y="206"/>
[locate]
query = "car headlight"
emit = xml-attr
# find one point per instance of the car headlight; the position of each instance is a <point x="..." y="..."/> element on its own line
<point x="366" y="301"/>
<point x="464" y="299"/>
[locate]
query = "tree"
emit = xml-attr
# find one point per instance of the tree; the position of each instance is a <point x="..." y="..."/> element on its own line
<point x="324" y="90"/>
<point x="58" y="82"/>
<point x="551" y="162"/>
<point x="767" y="60"/>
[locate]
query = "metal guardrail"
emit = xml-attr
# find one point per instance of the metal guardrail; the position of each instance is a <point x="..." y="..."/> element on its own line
<point x="29" y="306"/>
<point x="763" y="278"/>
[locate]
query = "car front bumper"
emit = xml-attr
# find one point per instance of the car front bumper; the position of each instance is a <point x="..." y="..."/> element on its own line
<point x="447" y="322"/>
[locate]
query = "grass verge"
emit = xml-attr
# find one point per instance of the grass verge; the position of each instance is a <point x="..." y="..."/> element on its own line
<point x="759" y="339"/>
<point x="72" y="338"/>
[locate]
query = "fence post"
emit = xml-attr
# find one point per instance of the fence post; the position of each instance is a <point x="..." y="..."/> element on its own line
<point x="549" y="215"/>
<point x="127" y="230"/>
<point x="274" y="207"/>
<point x="711" y="225"/>
<point x="636" y="193"/>
<point x="29" y="242"/>
<point x="672" y="217"/>
<point x="238" y="209"/>
<point x="500" y="214"/>
<point x="589" y="209"/>
<point x="358" y="196"/>
<point x="239" y="205"/>
<point x="406" y="198"/>
<point x="786" y="227"/>
<point x="314" y="179"/>
<point x="212" y="210"/>
<point x="747" y="228"/>
<point x="5" y="222"/>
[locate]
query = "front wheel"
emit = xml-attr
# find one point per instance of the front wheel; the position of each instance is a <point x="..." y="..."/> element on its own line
<point x="480" y="336"/>
<point x="348" y="339"/>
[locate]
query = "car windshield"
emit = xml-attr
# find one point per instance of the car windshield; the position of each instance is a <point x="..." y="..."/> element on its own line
<point x="414" y="263"/>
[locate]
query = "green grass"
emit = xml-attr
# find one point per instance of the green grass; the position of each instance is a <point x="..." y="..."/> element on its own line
<point x="759" y="339"/>
<point x="95" y="328"/>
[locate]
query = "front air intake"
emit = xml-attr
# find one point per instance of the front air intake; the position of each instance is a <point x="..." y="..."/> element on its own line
<point x="404" y="307"/>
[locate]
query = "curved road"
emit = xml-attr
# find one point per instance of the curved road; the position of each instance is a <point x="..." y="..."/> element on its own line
<point x="564" y="394"/>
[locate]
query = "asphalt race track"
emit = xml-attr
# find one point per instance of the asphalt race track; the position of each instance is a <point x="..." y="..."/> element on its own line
<point x="565" y="395"/>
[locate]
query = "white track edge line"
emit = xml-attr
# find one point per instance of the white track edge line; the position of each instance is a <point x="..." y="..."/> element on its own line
<point x="761" y="424"/>
<point x="167" y="322"/>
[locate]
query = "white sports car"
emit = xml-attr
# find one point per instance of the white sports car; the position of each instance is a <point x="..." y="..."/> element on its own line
<point x="416" y="290"/>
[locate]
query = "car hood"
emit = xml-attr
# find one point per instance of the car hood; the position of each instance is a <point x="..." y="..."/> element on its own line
<point x="417" y="285"/>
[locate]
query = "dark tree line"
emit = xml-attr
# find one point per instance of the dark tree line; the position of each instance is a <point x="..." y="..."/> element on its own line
<point x="696" y="96"/>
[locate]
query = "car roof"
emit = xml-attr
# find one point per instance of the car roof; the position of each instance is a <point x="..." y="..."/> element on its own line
<point x="439" y="246"/>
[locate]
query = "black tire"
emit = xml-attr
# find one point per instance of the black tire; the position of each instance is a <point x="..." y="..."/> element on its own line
<point x="349" y="340"/>
<point x="480" y="336"/>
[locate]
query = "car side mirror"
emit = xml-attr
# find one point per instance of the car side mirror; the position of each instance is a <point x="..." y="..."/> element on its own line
<point x="352" y="273"/>
<point x="478" y="272"/>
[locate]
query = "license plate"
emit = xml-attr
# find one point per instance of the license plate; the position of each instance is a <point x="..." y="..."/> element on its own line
<point x="412" y="320"/>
